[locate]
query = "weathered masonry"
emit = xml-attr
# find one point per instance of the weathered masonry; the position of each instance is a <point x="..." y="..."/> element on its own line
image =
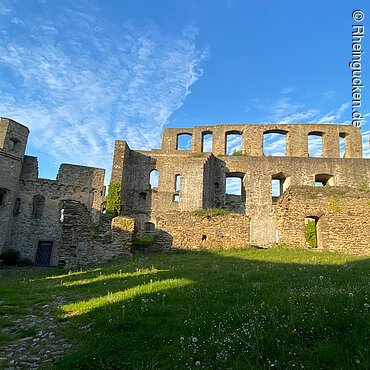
<point x="54" y="222"/>
<point x="341" y="215"/>
<point x="164" y="192"/>
<point x="196" y="178"/>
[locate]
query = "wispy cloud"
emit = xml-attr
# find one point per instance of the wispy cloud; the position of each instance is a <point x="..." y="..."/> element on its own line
<point x="102" y="82"/>
<point x="274" y="144"/>
<point x="329" y="94"/>
<point x="286" y="90"/>
<point x="283" y="111"/>
<point x="233" y="143"/>
<point x="366" y="143"/>
<point x="233" y="185"/>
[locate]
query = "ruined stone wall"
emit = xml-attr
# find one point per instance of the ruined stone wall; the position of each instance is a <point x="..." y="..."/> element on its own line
<point x="252" y="138"/>
<point x="78" y="183"/>
<point x="343" y="216"/>
<point x="188" y="231"/>
<point x="13" y="140"/>
<point x="83" y="244"/>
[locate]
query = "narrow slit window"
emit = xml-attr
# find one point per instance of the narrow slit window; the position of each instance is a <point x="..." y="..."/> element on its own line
<point x="177" y="182"/>
<point x="154" y="175"/>
<point x="342" y="145"/>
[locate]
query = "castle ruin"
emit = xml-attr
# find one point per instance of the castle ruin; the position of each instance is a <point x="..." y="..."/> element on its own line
<point x="63" y="221"/>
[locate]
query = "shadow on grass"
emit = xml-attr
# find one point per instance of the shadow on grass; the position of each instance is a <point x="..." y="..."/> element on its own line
<point x="235" y="309"/>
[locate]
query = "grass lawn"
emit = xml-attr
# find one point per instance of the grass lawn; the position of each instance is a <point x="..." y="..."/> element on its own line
<point x="241" y="308"/>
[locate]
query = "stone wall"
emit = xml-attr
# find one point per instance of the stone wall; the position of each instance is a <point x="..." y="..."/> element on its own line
<point x="83" y="243"/>
<point x="190" y="231"/>
<point x="203" y="175"/>
<point x="342" y="214"/>
<point x="13" y="140"/>
<point x="252" y="138"/>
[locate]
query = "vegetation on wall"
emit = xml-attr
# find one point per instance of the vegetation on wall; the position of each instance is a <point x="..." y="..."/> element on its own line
<point x="114" y="205"/>
<point x="311" y="233"/>
<point x="237" y="153"/>
<point x="335" y="204"/>
<point x="211" y="212"/>
<point x="364" y="184"/>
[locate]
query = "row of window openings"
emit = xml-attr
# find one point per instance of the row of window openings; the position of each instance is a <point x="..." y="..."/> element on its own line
<point x="278" y="186"/>
<point x="234" y="184"/>
<point x="273" y="144"/>
<point x="38" y="203"/>
<point x="153" y="180"/>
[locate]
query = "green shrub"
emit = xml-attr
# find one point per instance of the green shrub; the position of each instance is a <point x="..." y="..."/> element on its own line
<point x="25" y="262"/>
<point x="10" y="257"/>
<point x="97" y="231"/>
<point x="311" y="233"/>
<point x="237" y="153"/>
<point x="114" y="205"/>
<point x="364" y="185"/>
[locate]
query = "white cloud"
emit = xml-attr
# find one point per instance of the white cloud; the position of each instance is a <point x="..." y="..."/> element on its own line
<point x="233" y="143"/>
<point x="286" y="90"/>
<point x="329" y="94"/>
<point x="79" y="96"/>
<point x="283" y="111"/>
<point x="207" y="143"/>
<point x="274" y="144"/>
<point x="366" y="144"/>
<point x="233" y="185"/>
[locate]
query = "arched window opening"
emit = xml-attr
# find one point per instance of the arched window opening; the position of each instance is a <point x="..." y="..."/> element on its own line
<point x="310" y="224"/>
<point x="206" y="142"/>
<point x="153" y="180"/>
<point x="342" y="145"/>
<point x="3" y="197"/>
<point x="38" y="206"/>
<point x="61" y="215"/>
<point x="177" y="182"/>
<point x="315" y="144"/>
<point x="324" y="179"/>
<point x="183" y="142"/>
<point x="274" y="143"/>
<point x="233" y="143"/>
<point x="149" y="228"/>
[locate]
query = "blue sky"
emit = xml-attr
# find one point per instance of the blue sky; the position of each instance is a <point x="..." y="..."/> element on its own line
<point x="81" y="74"/>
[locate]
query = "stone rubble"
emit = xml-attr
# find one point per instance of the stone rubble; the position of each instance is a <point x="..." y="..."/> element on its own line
<point x="33" y="351"/>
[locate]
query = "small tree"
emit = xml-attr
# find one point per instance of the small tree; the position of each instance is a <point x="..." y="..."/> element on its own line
<point x="114" y="205"/>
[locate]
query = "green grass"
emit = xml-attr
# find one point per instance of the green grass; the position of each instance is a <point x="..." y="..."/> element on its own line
<point x="240" y="309"/>
<point x="146" y="239"/>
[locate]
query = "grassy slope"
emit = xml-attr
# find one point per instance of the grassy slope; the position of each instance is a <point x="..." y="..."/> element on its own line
<point x="228" y="309"/>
